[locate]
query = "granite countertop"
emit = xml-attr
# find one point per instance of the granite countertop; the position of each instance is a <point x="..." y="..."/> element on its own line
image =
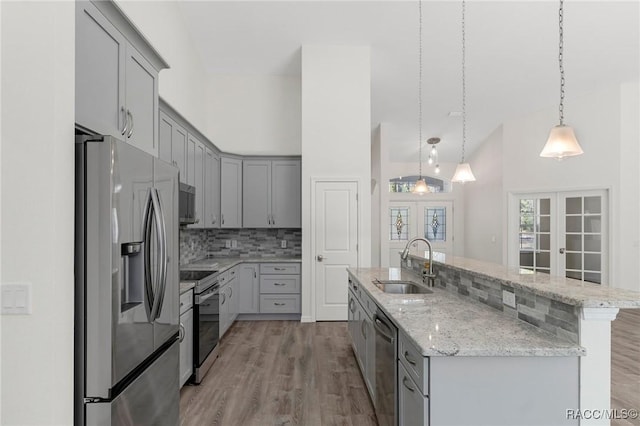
<point x="566" y="290"/>
<point x="186" y="286"/>
<point x="225" y="263"/>
<point x="445" y="324"/>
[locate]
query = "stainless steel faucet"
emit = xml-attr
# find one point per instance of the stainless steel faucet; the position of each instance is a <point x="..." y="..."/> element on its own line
<point x="425" y="275"/>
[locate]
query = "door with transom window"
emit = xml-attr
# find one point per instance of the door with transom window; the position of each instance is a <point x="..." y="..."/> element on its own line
<point x="560" y="233"/>
<point x="432" y="220"/>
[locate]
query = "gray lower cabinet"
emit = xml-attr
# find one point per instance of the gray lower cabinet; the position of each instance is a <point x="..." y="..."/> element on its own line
<point x="229" y="298"/>
<point x="186" y="336"/>
<point x="249" y="288"/>
<point x="360" y="327"/>
<point x="116" y="84"/>
<point x="230" y="192"/>
<point x="280" y="303"/>
<point x="271" y="194"/>
<point x="413" y="407"/>
<point x="279" y="285"/>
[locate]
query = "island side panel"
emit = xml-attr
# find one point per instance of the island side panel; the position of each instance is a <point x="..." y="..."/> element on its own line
<point x="526" y="390"/>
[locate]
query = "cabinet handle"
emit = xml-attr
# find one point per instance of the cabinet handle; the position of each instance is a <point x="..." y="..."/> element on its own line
<point x="362" y="330"/>
<point x="404" y="382"/>
<point x="279" y="284"/>
<point x="130" y="129"/>
<point x="351" y="305"/>
<point x="279" y="304"/>
<point x="409" y="360"/>
<point x="126" y="121"/>
<point x="230" y="292"/>
<point x="255" y="274"/>
<point x="222" y="218"/>
<point x="181" y="333"/>
<point x="273" y="219"/>
<point x="224" y="298"/>
<point x="279" y="269"/>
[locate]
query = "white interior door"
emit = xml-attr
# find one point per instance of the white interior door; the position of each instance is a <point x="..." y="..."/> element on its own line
<point x="335" y="224"/>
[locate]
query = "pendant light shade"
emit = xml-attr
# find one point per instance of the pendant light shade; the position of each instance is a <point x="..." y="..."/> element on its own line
<point x="562" y="140"/>
<point x="562" y="143"/>
<point x="463" y="174"/>
<point x="421" y="187"/>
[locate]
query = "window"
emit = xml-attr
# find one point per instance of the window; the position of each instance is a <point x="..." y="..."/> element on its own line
<point x="405" y="184"/>
<point x="399" y="224"/>
<point x="583" y="238"/>
<point x="535" y="234"/>
<point x="435" y="224"/>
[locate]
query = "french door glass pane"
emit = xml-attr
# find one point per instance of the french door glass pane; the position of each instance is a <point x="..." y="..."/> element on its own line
<point x="583" y="238"/>
<point x="535" y="234"/>
<point x="435" y="223"/>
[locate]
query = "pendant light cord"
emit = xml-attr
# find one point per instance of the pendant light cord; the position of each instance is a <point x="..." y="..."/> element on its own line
<point x="420" y="83"/>
<point x="464" y="85"/>
<point x="560" y="61"/>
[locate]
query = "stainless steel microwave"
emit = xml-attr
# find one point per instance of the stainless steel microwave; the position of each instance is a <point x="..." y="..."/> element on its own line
<point x="187" y="204"/>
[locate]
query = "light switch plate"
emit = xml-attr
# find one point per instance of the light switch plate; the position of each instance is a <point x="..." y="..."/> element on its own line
<point x="234" y="244"/>
<point x="16" y="298"/>
<point x="283" y="244"/>
<point x="227" y="243"/>
<point x="509" y="298"/>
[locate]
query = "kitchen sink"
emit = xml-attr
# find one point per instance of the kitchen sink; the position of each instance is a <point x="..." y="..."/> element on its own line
<point x="402" y="287"/>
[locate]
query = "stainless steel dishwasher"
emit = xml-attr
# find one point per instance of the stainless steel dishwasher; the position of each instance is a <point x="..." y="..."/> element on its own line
<point x="386" y="369"/>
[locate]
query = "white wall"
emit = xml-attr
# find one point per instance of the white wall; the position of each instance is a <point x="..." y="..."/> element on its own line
<point x="254" y="114"/>
<point x="336" y="139"/>
<point x="606" y="123"/>
<point x="38" y="72"/>
<point x="183" y="85"/>
<point x="484" y="201"/>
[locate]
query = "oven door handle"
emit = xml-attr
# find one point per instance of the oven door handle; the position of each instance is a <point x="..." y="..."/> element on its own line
<point x="200" y="299"/>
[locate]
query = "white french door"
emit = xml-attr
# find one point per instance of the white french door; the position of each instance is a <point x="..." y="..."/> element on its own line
<point x="560" y="233"/>
<point x="432" y="220"/>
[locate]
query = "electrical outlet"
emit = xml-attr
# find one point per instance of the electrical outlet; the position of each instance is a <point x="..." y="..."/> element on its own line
<point x="234" y="244"/>
<point x="227" y="243"/>
<point x="16" y="299"/>
<point x="509" y="298"/>
<point x="283" y="244"/>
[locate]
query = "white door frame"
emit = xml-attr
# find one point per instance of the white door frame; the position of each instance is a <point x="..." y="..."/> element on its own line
<point x="513" y="222"/>
<point x="314" y="181"/>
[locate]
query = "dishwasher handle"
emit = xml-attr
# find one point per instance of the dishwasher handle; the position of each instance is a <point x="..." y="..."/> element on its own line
<point x="386" y="336"/>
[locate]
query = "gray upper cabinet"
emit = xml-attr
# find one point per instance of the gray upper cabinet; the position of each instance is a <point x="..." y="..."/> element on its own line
<point x="286" y="194"/>
<point x="211" y="189"/>
<point x="256" y="193"/>
<point x="198" y="165"/>
<point x="191" y="160"/>
<point x="172" y="143"/>
<point x="271" y="194"/>
<point x="231" y="192"/>
<point x="116" y="77"/>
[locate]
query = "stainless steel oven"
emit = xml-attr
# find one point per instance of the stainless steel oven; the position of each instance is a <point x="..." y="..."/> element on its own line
<point x="206" y="322"/>
<point x="386" y="336"/>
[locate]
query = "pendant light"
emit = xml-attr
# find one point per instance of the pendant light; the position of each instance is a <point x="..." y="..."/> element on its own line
<point x="433" y="153"/>
<point x="463" y="171"/>
<point x="421" y="186"/>
<point x="562" y="140"/>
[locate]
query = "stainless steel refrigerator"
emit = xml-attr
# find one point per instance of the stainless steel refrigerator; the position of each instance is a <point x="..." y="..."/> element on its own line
<point x="127" y="286"/>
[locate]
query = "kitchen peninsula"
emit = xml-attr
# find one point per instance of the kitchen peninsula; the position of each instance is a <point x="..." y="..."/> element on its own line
<point x="464" y="345"/>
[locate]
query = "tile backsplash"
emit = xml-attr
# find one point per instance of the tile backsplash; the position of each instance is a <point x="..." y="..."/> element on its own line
<point x="197" y="243"/>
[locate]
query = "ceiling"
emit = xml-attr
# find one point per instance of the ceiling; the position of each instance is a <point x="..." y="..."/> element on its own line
<point x="512" y="51"/>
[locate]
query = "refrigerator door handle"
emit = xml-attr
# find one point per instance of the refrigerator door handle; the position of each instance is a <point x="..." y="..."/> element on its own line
<point x="161" y="255"/>
<point x="146" y="236"/>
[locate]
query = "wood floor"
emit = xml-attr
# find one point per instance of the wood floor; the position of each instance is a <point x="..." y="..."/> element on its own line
<point x="290" y="373"/>
<point x="281" y="373"/>
<point x="625" y="364"/>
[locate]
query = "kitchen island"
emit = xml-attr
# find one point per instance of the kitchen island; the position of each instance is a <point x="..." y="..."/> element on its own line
<point x="528" y="364"/>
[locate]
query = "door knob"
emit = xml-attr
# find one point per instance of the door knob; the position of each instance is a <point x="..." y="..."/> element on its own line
<point x="320" y="258"/>
<point x="562" y="250"/>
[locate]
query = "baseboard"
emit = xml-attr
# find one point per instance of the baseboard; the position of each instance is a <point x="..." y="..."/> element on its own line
<point x="306" y="318"/>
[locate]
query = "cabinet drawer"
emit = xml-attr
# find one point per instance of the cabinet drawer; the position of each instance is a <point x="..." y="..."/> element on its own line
<point x="413" y="407"/>
<point x="354" y="286"/>
<point x="186" y="301"/>
<point x="280" y="284"/>
<point x="417" y="366"/>
<point x="280" y="304"/>
<point x="280" y="268"/>
<point x="367" y="303"/>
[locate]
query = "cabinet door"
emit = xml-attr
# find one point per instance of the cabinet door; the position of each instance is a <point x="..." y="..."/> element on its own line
<point x="141" y="94"/>
<point x="370" y="362"/>
<point x="248" y="289"/>
<point x="224" y="310"/>
<point x="186" y="346"/>
<point x="100" y="57"/>
<point x="351" y="324"/>
<point x="256" y="194"/>
<point x="413" y="407"/>
<point x="191" y="160"/>
<point x="286" y="201"/>
<point x="231" y="193"/>
<point x="234" y="295"/>
<point x="211" y="189"/>
<point x="198" y="166"/>
<point x="165" y="134"/>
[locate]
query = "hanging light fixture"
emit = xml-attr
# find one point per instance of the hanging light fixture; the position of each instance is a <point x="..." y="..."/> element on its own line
<point x="433" y="153"/>
<point x="463" y="171"/>
<point x="421" y="185"/>
<point x="562" y="140"/>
